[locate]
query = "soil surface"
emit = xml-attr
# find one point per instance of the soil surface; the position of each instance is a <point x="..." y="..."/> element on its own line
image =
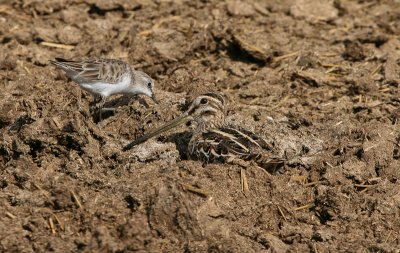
<point x="320" y="79"/>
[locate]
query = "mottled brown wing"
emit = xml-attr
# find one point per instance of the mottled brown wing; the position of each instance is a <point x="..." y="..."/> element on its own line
<point x="107" y="70"/>
<point x="222" y="143"/>
<point x="205" y="149"/>
<point x="262" y="153"/>
<point x="250" y="138"/>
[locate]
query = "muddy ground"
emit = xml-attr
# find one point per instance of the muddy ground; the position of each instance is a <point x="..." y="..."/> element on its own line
<point x="319" y="78"/>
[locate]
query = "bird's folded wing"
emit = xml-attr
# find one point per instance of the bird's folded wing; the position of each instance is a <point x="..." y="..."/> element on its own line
<point x="107" y="70"/>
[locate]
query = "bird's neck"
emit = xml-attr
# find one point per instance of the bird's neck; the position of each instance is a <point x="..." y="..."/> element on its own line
<point x="216" y="121"/>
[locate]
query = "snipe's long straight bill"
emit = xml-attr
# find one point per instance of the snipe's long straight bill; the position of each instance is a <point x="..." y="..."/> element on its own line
<point x="172" y="124"/>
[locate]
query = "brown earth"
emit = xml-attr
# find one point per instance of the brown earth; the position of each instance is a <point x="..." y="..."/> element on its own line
<point x="320" y="78"/>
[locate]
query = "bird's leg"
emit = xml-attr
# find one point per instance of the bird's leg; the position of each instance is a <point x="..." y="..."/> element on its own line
<point x="103" y="101"/>
<point x="107" y="109"/>
<point x="93" y="104"/>
<point x="104" y="109"/>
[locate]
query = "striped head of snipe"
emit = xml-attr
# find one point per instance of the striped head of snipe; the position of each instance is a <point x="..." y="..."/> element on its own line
<point x="207" y="111"/>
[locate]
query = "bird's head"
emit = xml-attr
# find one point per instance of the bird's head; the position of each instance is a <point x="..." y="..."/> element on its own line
<point x="207" y="110"/>
<point x="143" y="84"/>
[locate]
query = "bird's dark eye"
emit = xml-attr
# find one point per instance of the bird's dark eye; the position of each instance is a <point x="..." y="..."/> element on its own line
<point x="203" y="101"/>
<point x="149" y="84"/>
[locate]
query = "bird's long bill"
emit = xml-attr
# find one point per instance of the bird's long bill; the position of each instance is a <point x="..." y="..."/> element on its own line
<point x="172" y="124"/>
<point x="154" y="99"/>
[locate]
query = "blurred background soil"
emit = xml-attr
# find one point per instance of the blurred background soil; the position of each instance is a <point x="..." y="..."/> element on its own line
<point x="318" y="78"/>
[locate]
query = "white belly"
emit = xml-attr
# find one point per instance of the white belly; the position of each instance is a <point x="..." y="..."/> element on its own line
<point x="108" y="89"/>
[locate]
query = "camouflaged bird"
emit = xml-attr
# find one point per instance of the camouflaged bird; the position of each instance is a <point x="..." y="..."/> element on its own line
<point x="213" y="140"/>
<point x="106" y="77"/>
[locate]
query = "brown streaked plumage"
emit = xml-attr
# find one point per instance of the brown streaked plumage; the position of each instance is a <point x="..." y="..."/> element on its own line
<point x="213" y="140"/>
<point x="106" y="77"/>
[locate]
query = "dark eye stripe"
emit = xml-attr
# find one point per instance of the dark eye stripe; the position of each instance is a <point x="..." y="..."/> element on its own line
<point x="216" y="96"/>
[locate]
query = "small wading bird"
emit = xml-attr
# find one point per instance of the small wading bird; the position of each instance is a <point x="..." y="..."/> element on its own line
<point x="213" y="140"/>
<point x="106" y="77"/>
